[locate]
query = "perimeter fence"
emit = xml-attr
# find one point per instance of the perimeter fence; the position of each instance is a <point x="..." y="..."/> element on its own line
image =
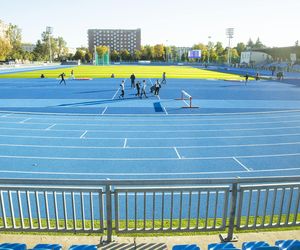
<point x="149" y="206"/>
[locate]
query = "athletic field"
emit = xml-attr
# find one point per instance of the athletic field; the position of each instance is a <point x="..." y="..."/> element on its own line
<point x="84" y="130"/>
<point x="181" y="72"/>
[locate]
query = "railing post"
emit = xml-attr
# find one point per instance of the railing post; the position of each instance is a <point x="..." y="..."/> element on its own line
<point x="108" y="194"/>
<point x="233" y="204"/>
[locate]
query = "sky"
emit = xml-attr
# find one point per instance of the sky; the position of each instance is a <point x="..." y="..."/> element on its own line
<point x="170" y="22"/>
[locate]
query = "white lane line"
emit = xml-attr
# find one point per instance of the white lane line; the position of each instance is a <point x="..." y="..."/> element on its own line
<point x="82" y="136"/>
<point x="165" y="112"/>
<point x="6" y="115"/>
<point x="178" y="155"/>
<point x="27" y="119"/>
<point x="175" y="115"/>
<point x="158" y="97"/>
<point x="50" y="126"/>
<point x="145" y="159"/>
<point x="148" y="174"/>
<point x="104" y="111"/>
<point x="161" y="124"/>
<point x="150" y="138"/>
<point x="149" y="147"/>
<point x="241" y="164"/>
<point x="171" y="118"/>
<point x="158" y="131"/>
<point x="150" y="81"/>
<point x="115" y="93"/>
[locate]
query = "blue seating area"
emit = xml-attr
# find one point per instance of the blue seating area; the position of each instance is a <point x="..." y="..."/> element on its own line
<point x="21" y="246"/>
<point x="253" y="245"/>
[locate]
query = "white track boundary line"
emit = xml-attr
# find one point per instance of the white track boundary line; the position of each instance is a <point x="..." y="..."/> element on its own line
<point x="102" y="111"/>
<point x="149" y="138"/>
<point x="148" y="174"/>
<point x="158" y="124"/>
<point x="153" y="115"/>
<point x="82" y="136"/>
<point x="157" y="131"/>
<point x="115" y="94"/>
<point x="145" y="159"/>
<point x="241" y="164"/>
<point x="50" y="126"/>
<point x="172" y="118"/>
<point x="178" y="155"/>
<point x="150" y="147"/>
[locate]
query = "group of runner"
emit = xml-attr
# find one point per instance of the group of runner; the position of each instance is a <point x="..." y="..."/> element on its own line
<point x="141" y="90"/>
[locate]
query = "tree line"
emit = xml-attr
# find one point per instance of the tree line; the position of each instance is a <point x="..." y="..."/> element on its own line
<point x="11" y="49"/>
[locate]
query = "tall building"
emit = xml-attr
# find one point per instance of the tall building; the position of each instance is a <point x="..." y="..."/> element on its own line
<point x="115" y="39"/>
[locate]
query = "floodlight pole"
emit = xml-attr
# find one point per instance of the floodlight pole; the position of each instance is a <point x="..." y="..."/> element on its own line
<point x="49" y="31"/>
<point x="208" y="47"/>
<point x="229" y="33"/>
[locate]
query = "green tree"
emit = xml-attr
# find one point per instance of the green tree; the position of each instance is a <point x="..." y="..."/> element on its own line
<point x="79" y="55"/>
<point x="240" y="47"/>
<point x="159" y="52"/>
<point x="62" y="50"/>
<point x="88" y="57"/>
<point x="40" y="51"/>
<point x="125" y="55"/>
<point x="14" y="36"/>
<point x="101" y="50"/>
<point x="250" y="44"/>
<point x="258" y="44"/>
<point x="5" y="48"/>
<point x="114" y="56"/>
<point x="147" y="52"/>
<point x="137" y="55"/>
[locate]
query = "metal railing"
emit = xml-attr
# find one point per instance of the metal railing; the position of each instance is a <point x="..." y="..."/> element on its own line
<point x="142" y="206"/>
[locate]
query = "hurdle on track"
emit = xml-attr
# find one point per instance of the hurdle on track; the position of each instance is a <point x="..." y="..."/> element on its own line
<point x="186" y="97"/>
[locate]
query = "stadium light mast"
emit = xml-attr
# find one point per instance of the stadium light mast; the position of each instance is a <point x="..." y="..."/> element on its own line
<point x="49" y="31"/>
<point x="229" y="34"/>
<point x="208" y="47"/>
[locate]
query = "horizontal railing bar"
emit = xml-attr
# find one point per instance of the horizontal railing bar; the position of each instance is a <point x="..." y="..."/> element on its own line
<point x="172" y="189"/>
<point x="145" y="182"/>
<point x="268" y="186"/>
<point x="52" y="188"/>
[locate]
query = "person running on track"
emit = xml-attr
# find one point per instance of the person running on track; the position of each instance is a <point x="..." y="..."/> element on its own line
<point x="62" y="75"/>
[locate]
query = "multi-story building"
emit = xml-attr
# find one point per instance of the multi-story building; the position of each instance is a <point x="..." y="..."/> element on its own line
<point x="115" y="39"/>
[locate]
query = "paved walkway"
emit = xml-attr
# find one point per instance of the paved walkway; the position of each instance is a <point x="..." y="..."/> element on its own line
<point x="147" y="243"/>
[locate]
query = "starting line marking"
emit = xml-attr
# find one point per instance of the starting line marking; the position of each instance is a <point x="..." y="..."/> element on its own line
<point x="178" y="155"/>
<point x="50" y="127"/>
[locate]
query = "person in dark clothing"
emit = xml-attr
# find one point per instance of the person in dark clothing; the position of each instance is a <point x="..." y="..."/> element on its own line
<point x="257" y="77"/>
<point x="132" y="78"/>
<point x="246" y="78"/>
<point x="138" y="87"/>
<point x="157" y="87"/>
<point x="62" y="78"/>
<point x="164" y="78"/>
<point x="42" y="76"/>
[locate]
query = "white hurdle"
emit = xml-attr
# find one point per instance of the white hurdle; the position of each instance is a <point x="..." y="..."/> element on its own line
<point x="186" y="97"/>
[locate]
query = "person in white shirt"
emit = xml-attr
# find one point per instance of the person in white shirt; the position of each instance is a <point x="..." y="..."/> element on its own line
<point x="144" y="89"/>
<point x="122" y="89"/>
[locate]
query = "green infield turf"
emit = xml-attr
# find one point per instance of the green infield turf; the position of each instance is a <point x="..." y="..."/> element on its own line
<point x="119" y="71"/>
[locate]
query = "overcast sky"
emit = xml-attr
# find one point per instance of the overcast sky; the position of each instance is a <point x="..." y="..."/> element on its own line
<point x="172" y="22"/>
